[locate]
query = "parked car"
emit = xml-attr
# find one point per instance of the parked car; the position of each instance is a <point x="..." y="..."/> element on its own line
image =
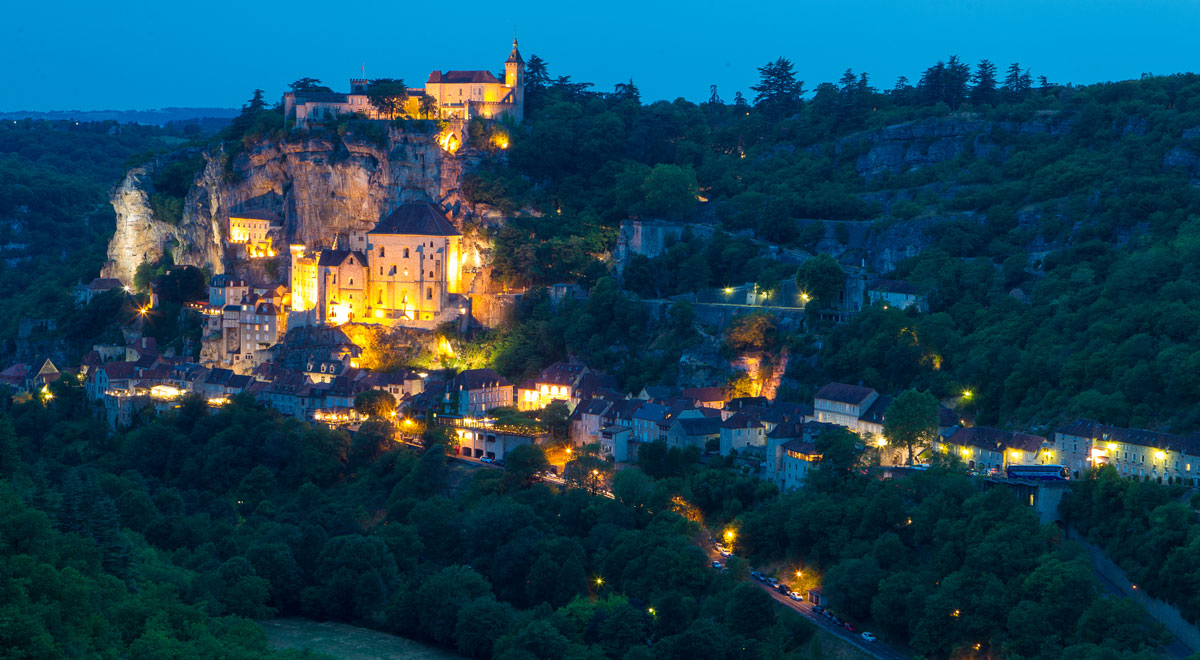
<point x="836" y="620"/>
<point x="868" y="637"/>
<point x="817" y="609"/>
<point x="795" y="596"/>
<point x="725" y="553"/>
<point x="773" y="582"/>
<point x="849" y="626"/>
<point x="783" y="589"/>
<point x="758" y="576"/>
<point x="716" y="564"/>
<point x="485" y="459"/>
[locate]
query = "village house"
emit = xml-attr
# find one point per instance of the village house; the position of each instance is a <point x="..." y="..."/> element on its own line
<point x="85" y="293"/>
<point x="791" y="453"/>
<point x="1134" y="453"/>
<point x="741" y="431"/>
<point x="693" y="432"/>
<point x="587" y="420"/>
<point x="705" y="397"/>
<point x="251" y="230"/>
<point x="555" y="383"/>
<point x="896" y="293"/>
<point x="617" y="443"/>
<point x="475" y="391"/>
<point x="990" y="451"/>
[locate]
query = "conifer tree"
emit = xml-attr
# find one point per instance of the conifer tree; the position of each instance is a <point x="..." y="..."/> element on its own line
<point x="984" y="89"/>
<point x="778" y="90"/>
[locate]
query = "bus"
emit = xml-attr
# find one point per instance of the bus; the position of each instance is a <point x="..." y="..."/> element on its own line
<point x="1038" y="472"/>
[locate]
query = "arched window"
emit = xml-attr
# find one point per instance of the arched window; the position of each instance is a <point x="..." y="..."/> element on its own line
<point x="381" y="251"/>
<point x="405" y="253"/>
<point x="428" y="293"/>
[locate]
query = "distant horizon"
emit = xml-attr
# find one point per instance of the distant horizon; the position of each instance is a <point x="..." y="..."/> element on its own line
<point x="153" y="56"/>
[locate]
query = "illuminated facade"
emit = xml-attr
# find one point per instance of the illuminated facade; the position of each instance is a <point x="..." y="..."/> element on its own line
<point x="401" y="272"/>
<point x="456" y="95"/>
<point x="556" y="383"/>
<point x="251" y="229"/>
<point x="989" y="451"/>
<point x="1134" y="453"/>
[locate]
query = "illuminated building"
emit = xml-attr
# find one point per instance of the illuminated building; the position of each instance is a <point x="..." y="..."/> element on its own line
<point x="475" y="391"/>
<point x="990" y="451"/>
<point x="459" y="96"/>
<point x="1134" y="453"/>
<point x="250" y="229"/>
<point x="404" y="271"/>
<point x="555" y="383"/>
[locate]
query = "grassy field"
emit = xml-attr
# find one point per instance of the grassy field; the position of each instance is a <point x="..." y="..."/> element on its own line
<point x="345" y="642"/>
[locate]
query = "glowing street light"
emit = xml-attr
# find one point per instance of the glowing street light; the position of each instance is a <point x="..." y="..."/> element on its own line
<point x="967" y="394"/>
<point x="599" y="582"/>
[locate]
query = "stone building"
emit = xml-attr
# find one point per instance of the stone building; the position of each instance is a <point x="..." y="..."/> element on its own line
<point x="459" y="96"/>
<point x="402" y="272"/>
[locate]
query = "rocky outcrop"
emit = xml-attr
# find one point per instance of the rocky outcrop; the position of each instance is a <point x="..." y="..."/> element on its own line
<point x="911" y="145"/>
<point x="321" y="183"/>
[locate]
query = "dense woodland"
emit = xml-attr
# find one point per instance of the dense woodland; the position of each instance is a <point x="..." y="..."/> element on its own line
<point x="1151" y="531"/>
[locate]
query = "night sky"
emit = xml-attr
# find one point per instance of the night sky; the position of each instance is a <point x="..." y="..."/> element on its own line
<point x="138" y="55"/>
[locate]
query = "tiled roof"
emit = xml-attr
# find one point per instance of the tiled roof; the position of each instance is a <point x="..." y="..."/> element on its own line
<point x="652" y="412"/>
<point x="991" y="439"/>
<point x="741" y="421"/>
<point x="337" y="257"/>
<point x="877" y="410"/>
<point x="416" y="218"/>
<point x="1086" y="428"/>
<point x="462" y="77"/>
<point x="801" y="447"/>
<point x="477" y="379"/>
<point x="843" y="393"/>
<point x="703" y="394"/>
<point x="700" y="425"/>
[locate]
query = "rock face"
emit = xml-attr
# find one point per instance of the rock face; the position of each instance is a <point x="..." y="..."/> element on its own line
<point x="322" y="185"/>
<point x="911" y="145"/>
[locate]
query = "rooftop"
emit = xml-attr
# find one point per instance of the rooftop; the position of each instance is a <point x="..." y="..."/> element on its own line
<point x="418" y="218"/>
<point x="843" y="393"/>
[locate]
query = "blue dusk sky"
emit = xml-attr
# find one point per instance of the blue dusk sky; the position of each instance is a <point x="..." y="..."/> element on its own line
<point x="77" y="55"/>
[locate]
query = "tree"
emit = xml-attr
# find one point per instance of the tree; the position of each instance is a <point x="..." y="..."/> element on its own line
<point x="375" y="403"/>
<point x="749" y="609"/>
<point x="822" y="278"/>
<point x="428" y="106"/>
<point x="555" y="417"/>
<point x="911" y="421"/>
<point x="670" y="191"/>
<point x="523" y="462"/>
<point x="387" y="95"/>
<point x="753" y="332"/>
<point x="1017" y="83"/>
<point x="308" y="85"/>
<point x="537" y="74"/>
<point x="778" y="90"/>
<point x="983" y="90"/>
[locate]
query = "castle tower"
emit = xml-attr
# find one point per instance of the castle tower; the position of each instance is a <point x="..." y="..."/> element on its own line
<point x="514" y="77"/>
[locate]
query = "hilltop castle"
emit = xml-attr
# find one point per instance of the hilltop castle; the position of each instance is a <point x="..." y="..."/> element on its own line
<point x="455" y="95"/>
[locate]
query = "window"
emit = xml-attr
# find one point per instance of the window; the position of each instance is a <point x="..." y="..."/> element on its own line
<point x="405" y="253"/>
<point x="381" y="270"/>
<point x="381" y="251"/>
<point x="429" y="293"/>
<point x="431" y="274"/>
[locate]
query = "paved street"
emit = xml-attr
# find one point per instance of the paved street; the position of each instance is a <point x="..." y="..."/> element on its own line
<point x="804" y="608"/>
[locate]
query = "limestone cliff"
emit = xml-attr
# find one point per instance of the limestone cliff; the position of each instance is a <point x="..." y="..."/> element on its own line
<point x="321" y="183"/>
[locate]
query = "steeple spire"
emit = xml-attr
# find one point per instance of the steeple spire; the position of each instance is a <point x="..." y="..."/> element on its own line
<point x="515" y="56"/>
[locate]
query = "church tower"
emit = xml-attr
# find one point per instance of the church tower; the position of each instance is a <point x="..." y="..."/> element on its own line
<point x="514" y="78"/>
